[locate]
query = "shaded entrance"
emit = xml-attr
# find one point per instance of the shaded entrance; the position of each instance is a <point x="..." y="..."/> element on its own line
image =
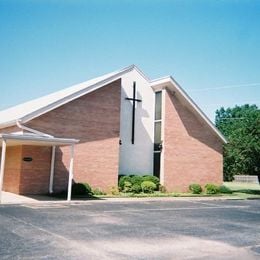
<point x="16" y="142"/>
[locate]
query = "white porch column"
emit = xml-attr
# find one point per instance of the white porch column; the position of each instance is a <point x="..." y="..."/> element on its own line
<point x="70" y="172"/>
<point x="52" y="169"/>
<point x="2" y="167"/>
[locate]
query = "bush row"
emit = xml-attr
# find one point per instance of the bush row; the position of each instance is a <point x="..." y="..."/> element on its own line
<point x="147" y="184"/>
<point x="209" y="189"/>
<point x="137" y="183"/>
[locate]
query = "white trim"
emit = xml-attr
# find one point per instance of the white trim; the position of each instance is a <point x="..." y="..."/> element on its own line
<point x="2" y="167"/>
<point x="162" y="137"/>
<point x="31" y="130"/>
<point x="71" y="97"/>
<point x="50" y="140"/>
<point x="156" y="84"/>
<point x="170" y="82"/>
<point x="78" y="93"/>
<point x="52" y="169"/>
<point x="70" y="172"/>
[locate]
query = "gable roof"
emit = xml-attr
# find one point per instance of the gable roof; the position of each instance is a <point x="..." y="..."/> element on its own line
<point x="170" y="82"/>
<point x="34" y="108"/>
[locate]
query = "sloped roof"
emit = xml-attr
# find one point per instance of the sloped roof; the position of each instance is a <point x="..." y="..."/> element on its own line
<point x="34" y="108"/>
<point x="174" y="86"/>
<point x="31" y="109"/>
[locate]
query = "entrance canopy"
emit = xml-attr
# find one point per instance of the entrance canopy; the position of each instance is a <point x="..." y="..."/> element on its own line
<point x="34" y="139"/>
<point x="15" y="139"/>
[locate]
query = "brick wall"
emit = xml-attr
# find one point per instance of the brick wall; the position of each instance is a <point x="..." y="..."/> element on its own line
<point x="12" y="169"/>
<point x="95" y="120"/>
<point x="193" y="154"/>
<point x="35" y="174"/>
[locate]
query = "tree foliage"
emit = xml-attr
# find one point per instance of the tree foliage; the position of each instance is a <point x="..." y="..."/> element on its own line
<point x="241" y="126"/>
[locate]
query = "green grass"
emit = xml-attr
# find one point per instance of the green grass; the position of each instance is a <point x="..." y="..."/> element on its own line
<point x="240" y="191"/>
<point x="238" y="186"/>
<point x="157" y="194"/>
<point x="244" y="190"/>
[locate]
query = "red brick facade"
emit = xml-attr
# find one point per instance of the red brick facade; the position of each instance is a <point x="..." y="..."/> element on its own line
<point x="94" y="119"/>
<point x="192" y="153"/>
<point x="13" y="169"/>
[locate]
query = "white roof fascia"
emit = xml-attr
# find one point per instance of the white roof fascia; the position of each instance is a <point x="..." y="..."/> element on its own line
<point x="141" y="73"/>
<point x="64" y="141"/>
<point x="75" y="95"/>
<point x="78" y="93"/>
<point x="65" y="100"/>
<point x="82" y="92"/>
<point x="171" y="80"/>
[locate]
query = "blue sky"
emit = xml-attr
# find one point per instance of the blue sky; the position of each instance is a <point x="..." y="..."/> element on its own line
<point x="49" y="45"/>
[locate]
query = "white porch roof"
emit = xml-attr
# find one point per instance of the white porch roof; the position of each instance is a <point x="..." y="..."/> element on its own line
<point x="33" y="139"/>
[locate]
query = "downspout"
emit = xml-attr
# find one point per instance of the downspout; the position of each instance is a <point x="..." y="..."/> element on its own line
<point x="18" y="123"/>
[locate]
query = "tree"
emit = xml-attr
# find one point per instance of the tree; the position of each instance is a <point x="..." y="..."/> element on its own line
<point x="241" y="126"/>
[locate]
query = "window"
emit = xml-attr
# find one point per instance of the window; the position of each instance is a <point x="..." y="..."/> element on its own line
<point x="158" y="105"/>
<point x="157" y="134"/>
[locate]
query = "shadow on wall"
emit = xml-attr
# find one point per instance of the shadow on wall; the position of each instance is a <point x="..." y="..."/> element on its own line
<point x="61" y="172"/>
<point x="194" y="127"/>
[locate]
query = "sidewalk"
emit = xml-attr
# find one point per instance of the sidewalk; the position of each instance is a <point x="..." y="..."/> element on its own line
<point x="11" y="198"/>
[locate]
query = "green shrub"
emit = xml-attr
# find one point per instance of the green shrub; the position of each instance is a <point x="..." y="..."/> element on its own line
<point x="88" y="188"/>
<point x="127" y="186"/>
<point x="98" y="191"/>
<point x="162" y="189"/>
<point x="153" y="179"/>
<point x="211" y="188"/>
<point x="136" y="179"/>
<point x="148" y="186"/>
<point x="122" y="181"/>
<point x="195" y="188"/>
<point x="136" y="188"/>
<point x="114" y="191"/>
<point x="79" y="189"/>
<point x="132" y="183"/>
<point x="224" y="189"/>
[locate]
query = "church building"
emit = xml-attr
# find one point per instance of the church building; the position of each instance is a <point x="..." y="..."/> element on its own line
<point x="121" y="123"/>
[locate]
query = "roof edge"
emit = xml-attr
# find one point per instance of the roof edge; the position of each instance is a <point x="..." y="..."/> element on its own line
<point x="170" y="79"/>
<point x="77" y="94"/>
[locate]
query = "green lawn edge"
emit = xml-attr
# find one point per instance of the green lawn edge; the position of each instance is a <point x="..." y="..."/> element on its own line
<point x="240" y="191"/>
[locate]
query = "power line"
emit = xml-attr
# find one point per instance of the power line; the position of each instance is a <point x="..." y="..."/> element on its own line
<point x="226" y="87"/>
<point x="231" y="103"/>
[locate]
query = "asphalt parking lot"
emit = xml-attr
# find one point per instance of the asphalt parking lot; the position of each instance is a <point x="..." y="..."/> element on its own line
<point x="160" y="229"/>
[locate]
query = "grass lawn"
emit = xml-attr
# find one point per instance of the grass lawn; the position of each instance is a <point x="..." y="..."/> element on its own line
<point x="238" y="186"/>
<point x="244" y="190"/>
<point x="239" y="191"/>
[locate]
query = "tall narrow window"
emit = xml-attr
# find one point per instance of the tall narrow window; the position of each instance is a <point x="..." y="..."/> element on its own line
<point x="158" y="105"/>
<point x="157" y="134"/>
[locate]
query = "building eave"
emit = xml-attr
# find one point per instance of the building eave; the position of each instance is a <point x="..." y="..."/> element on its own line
<point x="37" y="140"/>
<point x="88" y="89"/>
<point x="170" y="82"/>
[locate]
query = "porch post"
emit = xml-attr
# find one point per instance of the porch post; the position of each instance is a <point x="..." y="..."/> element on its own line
<point x="52" y="169"/>
<point x="2" y="167"/>
<point x="70" y="172"/>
